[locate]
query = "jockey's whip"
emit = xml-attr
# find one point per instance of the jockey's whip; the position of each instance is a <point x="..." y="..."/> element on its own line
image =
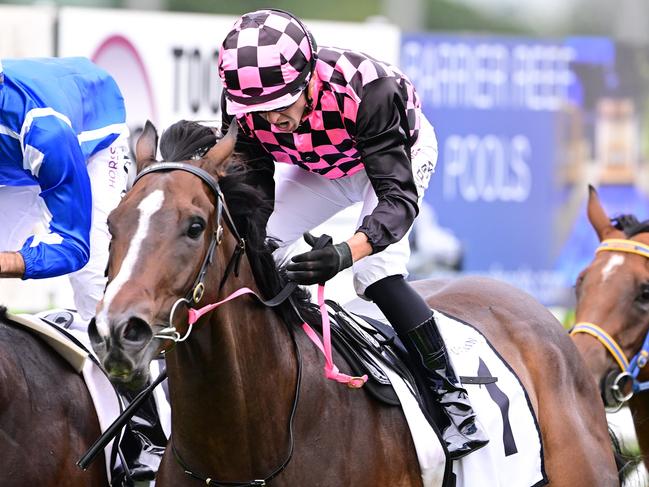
<point x="113" y="430"/>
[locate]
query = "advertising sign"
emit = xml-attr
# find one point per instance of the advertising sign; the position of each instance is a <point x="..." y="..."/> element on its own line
<point x="524" y="125"/>
<point x="19" y="24"/>
<point x="165" y="63"/>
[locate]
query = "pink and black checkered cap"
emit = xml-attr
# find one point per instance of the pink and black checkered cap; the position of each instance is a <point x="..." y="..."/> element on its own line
<point x="265" y="62"/>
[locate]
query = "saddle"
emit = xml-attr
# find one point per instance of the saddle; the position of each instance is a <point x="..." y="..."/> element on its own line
<point x="368" y="345"/>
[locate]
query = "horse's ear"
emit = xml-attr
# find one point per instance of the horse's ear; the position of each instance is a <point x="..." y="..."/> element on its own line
<point x="146" y="147"/>
<point x="597" y="216"/>
<point x="224" y="148"/>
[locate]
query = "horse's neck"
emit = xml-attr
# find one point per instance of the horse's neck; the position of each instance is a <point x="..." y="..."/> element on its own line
<point x="234" y="378"/>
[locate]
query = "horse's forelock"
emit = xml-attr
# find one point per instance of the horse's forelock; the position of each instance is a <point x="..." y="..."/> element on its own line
<point x="630" y="225"/>
<point x="185" y="140"/>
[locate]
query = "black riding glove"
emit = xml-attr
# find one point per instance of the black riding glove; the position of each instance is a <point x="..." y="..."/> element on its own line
<point x="318" y="266"/>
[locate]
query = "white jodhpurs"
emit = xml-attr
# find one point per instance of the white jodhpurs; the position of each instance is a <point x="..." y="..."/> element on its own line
<point x="304" y="200"/>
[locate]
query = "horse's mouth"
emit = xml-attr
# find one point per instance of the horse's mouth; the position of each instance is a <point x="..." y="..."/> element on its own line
<point x="129" y="379"/>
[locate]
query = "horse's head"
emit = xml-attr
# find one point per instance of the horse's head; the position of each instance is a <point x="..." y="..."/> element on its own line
<point x="612" y="310"/>
<point x="164" y="235"/>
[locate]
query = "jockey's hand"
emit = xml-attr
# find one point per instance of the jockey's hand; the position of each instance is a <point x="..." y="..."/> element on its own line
<point x="318" y="266"/>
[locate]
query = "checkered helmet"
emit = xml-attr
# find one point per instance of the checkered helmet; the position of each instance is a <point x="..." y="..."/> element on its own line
<point x="265" y="61"/>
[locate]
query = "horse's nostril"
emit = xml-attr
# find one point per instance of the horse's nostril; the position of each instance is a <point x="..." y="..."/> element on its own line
<point x="137" y="330"/>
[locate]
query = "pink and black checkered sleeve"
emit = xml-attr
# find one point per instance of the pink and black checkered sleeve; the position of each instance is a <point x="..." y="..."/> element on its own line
<point x="381" y="127"/>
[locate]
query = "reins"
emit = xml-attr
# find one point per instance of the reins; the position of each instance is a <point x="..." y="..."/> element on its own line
<point x="197" y="291"/>
<point x="630" y="369"/>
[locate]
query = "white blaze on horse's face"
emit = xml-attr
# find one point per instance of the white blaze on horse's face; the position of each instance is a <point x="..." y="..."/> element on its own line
<point x="614" y="261"/>
<point x="148" y="206"/>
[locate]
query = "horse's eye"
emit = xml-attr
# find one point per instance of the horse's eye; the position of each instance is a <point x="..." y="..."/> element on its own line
<point x="195" y="229"/>
<point x="578" y="284"/>
<point x="643" y="296"/>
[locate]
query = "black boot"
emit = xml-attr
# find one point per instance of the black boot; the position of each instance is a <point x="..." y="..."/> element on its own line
<point x="463" y="435"/>
<point x="142" y="444"/>
<point x="411" y="317"/>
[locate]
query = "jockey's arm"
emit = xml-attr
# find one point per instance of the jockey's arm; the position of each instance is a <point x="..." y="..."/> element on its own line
<point x="11" y="264"/>
<point x="382" y="126"/>
<point x="54" y="157"/>
<point x="360" y="246"/>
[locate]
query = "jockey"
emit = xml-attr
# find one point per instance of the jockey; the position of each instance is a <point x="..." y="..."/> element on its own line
<point x="353" y="131"/>
<point x="64" y="160"/>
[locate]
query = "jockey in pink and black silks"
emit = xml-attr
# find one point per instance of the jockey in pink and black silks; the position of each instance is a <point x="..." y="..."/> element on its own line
<point x="352" y="130"/>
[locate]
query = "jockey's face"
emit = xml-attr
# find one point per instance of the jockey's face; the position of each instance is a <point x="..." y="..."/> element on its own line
<point x="287" y="119"/>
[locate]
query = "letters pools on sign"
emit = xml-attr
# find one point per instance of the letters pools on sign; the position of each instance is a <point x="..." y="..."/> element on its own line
<point x="487" y="168"/>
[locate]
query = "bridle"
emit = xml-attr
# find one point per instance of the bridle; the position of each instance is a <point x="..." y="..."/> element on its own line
<point x="196" y="294"/>
<point x="630" y="369"/>
<point x="198" y="288"/>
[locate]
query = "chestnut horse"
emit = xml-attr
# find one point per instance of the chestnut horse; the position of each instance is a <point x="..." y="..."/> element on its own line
<point x="612" y="314"/>
<point x="47" y="417"/>
<point x="248" y="397"/>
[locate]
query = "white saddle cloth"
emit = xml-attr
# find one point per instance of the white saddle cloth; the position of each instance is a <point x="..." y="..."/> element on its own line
<point x="513" y="456"/>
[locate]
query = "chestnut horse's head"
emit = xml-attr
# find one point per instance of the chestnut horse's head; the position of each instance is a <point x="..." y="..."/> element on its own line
<point x="612" y="310"/>
<point x="164" y="235"/>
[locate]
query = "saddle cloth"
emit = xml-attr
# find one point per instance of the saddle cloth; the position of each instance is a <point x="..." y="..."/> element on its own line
<point x="514" y="455"/>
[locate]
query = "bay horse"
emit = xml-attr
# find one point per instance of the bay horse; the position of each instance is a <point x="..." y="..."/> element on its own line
<point x="47" y="417"/>
<point x="249" y="402"/>
<point x="612" y="314"/>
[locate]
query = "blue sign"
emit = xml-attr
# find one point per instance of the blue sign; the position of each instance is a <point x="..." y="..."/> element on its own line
<point x="503" y="110"/>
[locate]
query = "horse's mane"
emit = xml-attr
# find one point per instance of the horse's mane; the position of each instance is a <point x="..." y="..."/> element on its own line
<point x="630" y="225"/>
<point x="187" y="140"/>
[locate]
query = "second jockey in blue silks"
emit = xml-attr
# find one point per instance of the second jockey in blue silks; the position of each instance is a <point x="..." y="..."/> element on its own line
<point x="64" y="160"/>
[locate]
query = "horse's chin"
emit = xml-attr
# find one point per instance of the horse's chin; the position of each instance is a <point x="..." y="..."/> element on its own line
<point x="133" y="381"/>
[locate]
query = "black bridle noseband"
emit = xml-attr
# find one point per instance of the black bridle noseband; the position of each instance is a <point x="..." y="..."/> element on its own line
<point x="196" y="293"/>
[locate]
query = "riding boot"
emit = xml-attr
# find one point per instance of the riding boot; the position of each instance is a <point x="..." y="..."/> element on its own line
<point x="143" y="442"/>
<point x="413" y="321"/>
<point x="463" y="435"/>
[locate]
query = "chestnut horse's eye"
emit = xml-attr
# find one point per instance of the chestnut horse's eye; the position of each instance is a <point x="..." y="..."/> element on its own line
<point x="578" y="283"/>
<point x="195" y="229"/>
<point x="643" y="295"/>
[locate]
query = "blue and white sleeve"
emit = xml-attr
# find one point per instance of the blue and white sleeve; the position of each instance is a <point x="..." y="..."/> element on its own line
<point x="52" y="154"/>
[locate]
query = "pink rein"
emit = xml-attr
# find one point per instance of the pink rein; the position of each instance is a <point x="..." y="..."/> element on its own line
<point x="330" y="369"/>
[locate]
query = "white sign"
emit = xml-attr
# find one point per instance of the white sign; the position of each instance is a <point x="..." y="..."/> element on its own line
<point x="165" y="63"/>
<point x="19" y="25"/>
